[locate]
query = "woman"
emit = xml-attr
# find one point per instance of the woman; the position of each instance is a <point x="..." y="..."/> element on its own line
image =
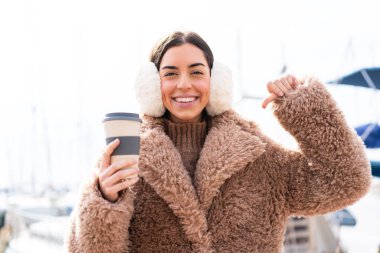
<point x="211" y="181"/>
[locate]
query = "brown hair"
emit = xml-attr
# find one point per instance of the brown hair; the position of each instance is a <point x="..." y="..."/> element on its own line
<point x="177" y="39"/>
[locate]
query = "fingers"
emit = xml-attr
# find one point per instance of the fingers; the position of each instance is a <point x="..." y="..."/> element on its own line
<point x="272" y="88"/>
<point x="280" y="87"/>
<point x="284" y="81"/>
<point x="114" y="167"/>
<point x="117" y="177"/>
<point x="269" y="99"/>
<point x="111" y="193"/>
<point x="121" y="175"/>
<point x="106" y="159"/>
<point x="283" y="85"/>
<point x="296" y="82"/>
<point x="290" y="80"/>
<point x="123" y="185"/>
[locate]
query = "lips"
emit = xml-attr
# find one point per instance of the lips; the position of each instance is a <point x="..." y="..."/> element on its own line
<point x="187" y="99"/>
<point x="185" y="102"/>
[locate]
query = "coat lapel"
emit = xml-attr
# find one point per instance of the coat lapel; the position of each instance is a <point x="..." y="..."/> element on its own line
<point x="161" y="167"/>
<point x="228" y="148"/>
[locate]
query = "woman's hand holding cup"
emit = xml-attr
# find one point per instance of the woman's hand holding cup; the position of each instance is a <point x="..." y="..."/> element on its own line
<point x="119" y="170"/>
<point x="116" y="176"/>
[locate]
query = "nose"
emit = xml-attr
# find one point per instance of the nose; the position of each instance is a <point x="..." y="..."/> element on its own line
<point x="184" y="82"/>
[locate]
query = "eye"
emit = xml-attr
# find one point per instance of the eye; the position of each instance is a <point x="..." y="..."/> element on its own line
<point x="170" y="74"/>
<point x="196" y="72"/>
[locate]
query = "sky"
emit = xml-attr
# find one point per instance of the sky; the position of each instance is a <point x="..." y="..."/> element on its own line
<point x="64" y="64"/>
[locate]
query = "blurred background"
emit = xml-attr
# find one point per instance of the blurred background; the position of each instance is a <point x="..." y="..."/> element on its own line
<point x="64" y="64"/>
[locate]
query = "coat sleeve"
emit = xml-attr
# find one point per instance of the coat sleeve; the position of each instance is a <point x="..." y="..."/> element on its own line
<point x="97" y="225"/>
<point x="331" y="169"/>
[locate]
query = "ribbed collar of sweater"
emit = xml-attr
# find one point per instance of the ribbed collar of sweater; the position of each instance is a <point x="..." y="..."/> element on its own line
<point x="188" y="137"/>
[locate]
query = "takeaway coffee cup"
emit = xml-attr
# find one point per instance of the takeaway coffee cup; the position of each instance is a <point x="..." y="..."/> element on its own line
<point x="125" y="127"/>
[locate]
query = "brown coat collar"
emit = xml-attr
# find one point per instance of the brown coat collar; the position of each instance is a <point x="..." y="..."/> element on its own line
<point x="228" y="148"/>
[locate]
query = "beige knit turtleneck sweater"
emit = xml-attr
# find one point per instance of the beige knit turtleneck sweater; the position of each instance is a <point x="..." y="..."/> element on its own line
<point x="188" y="138"/>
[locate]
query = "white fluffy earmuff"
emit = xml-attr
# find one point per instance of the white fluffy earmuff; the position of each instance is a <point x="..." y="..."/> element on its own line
<point x="148" y="90"/>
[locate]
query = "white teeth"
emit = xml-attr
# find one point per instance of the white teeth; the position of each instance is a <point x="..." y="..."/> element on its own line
<point x="185" y="99"/>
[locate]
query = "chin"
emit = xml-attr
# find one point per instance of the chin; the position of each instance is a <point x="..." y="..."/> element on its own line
<point x="187" y="117"/>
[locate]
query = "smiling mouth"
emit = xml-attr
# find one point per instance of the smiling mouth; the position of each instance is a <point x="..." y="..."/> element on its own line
<point x="185" y="99"/>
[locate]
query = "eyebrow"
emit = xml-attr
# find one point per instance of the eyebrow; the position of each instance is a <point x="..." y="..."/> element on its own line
<point x="196" y="64"/>
<point x="190" y="66"/>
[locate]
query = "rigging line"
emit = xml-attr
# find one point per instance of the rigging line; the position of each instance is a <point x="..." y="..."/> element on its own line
<point x="368" y="79"/>
<point x="368" y="131"/>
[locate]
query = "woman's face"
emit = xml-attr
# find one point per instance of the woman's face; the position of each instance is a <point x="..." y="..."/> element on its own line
<point x="185" y="82"/>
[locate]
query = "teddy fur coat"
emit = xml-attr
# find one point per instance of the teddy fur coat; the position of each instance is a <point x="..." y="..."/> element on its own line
<point x="245" y="185"/>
